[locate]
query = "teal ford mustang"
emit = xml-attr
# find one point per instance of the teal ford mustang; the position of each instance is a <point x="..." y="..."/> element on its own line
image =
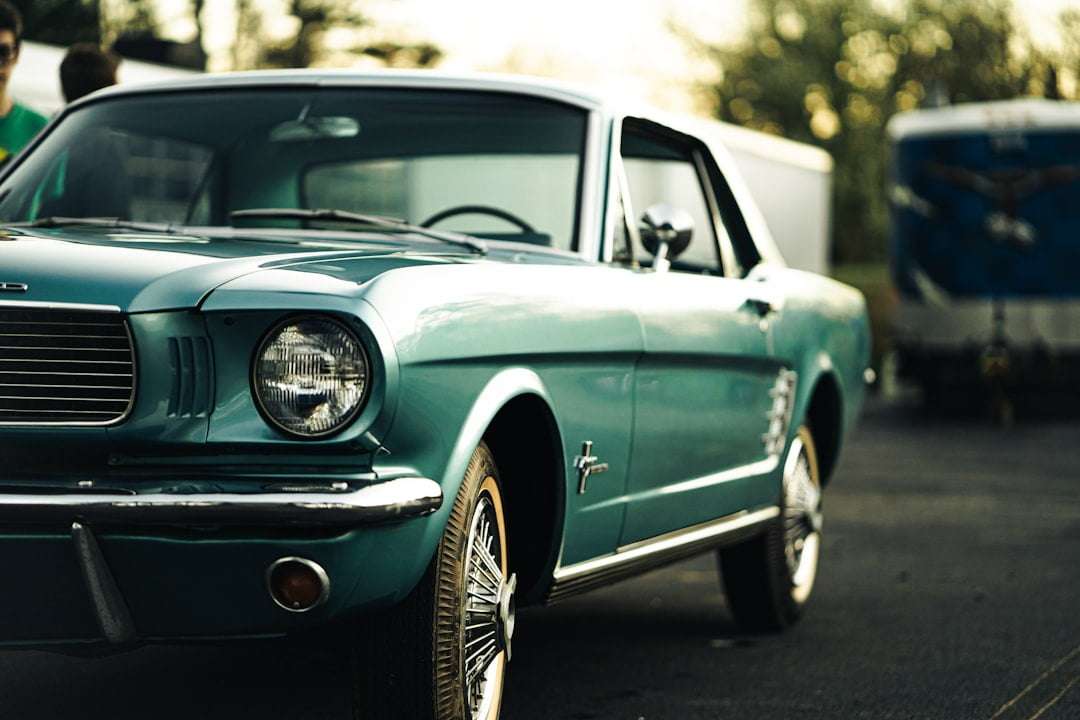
<point x="390" y="355"/>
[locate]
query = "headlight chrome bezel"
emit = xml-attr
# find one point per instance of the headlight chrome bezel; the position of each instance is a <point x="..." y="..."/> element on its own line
<point x="272" y="334"/>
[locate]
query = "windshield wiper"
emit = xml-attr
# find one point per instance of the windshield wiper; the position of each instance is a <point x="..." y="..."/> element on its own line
<point x="102" y="222"/>
<point x="467" y="241"/>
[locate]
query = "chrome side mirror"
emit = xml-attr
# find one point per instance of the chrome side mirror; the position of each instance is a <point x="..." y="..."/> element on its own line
<point x="665" y="232"/>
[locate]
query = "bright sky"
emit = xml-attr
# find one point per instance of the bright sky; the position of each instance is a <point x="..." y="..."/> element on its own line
<point x="625" y="45"/>
<point x="628" y="46"/>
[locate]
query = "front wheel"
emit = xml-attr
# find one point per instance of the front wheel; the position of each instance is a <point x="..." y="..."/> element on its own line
<point x="768" y="578"/>
<point x="442" y="652"/>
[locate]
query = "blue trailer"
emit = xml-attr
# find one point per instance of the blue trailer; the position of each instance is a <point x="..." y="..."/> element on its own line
<point x="985" y="246"/>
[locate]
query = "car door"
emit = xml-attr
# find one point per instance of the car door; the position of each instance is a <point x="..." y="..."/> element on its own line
<point x="705" y="385"/>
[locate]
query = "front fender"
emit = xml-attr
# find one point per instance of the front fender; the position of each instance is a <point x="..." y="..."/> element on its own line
<point x="817" y="366"/>
<point x="421" y="440"/>
<point x="501" y="389"/>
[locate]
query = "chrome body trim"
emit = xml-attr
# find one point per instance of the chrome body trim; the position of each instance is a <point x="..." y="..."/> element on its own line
<point x="567" y="93"/>
<point x="587" y="465"/>
<point x="590" y="201"/>
<point x="761" y="467"/>
<point x="112" y="612"/>
<point x="655" y="552"/>
<point x="39" y="305"/>
<point x="396" y="499"/>
<point x="779" y="415"/>
<point x="315" y="567"/>
<point x="615" y="188"/>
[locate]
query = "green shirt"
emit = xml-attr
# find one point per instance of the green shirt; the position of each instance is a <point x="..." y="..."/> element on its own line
<point x="18" y="128"/>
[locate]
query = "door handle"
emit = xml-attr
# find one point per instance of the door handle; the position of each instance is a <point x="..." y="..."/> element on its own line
<point x="758" y="305"/>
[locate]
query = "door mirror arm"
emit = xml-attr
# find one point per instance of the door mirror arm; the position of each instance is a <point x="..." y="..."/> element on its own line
<point x="665" y="232"/>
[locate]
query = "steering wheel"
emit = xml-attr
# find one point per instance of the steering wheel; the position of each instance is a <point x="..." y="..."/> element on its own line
<point x="478" y="210"/>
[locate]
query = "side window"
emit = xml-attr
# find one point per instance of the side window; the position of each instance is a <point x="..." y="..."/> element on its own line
<point x="659" y="170"/>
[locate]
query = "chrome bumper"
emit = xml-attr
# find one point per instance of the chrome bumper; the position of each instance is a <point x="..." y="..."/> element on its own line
<point x="396" y="499"/>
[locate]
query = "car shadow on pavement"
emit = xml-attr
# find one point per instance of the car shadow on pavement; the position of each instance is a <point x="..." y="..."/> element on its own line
<point x="574" y="660"/>
<point x="624" y="647"/>
<point x="260" y="679"/>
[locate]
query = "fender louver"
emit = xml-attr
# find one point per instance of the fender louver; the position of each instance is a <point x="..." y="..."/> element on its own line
<point x="192" y="389"/>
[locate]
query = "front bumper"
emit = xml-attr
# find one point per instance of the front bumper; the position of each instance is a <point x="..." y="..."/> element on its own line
<point x="109" y="570"/>
<point x="345" y="509"/>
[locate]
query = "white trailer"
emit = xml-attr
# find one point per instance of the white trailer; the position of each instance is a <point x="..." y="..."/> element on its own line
<point x="36" y="79"/>
<point x="791" y="183"/>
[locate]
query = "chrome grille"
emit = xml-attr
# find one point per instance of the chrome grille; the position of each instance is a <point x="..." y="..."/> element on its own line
<point x="64" y="367"/>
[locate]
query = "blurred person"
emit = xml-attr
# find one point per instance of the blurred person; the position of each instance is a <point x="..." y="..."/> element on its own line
<point x="86" y="68"/>
<point x="18" y="124"/>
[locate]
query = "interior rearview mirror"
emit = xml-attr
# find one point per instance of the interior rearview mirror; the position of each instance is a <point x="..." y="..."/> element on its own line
<point x="315" y="128"/>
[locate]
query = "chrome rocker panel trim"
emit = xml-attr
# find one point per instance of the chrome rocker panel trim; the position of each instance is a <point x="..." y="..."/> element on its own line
<point x="396" y="499"/>
<point x="644" y="555"/>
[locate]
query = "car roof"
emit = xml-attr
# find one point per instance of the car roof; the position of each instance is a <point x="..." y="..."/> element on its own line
<point x="515" y="84"/>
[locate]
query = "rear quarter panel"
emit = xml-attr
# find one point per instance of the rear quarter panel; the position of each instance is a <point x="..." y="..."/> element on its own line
<point x="822" y="330"/>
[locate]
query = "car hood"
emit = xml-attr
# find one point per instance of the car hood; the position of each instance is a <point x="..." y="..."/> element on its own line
<point x="143" y="272"/>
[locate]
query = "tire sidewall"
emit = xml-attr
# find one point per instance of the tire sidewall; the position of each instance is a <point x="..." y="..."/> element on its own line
<point x="451" y="577"/>
<point x="790" y="598"/>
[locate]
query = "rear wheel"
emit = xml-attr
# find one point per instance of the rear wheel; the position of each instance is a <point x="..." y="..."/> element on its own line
<point x="768" y="579"/>
<point x="442" y="652"/>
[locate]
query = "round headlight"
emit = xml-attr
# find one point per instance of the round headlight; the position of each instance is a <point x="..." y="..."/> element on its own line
<point x="310" y="376"/>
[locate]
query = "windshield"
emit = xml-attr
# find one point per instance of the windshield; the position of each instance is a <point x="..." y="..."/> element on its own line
<point x="498" y="166"/>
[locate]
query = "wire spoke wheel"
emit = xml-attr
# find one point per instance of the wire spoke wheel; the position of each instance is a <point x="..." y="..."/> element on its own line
<point x="802" y="519"/>
<point x="442" y="652"/>
<point x="768" y="578"/>
<point x="488" y="624"/>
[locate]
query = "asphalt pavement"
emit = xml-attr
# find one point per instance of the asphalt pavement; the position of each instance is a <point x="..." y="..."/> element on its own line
<point x="949" y="588"/>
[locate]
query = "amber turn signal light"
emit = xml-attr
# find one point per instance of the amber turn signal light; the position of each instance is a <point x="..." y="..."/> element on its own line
<point x="297" y="584"/>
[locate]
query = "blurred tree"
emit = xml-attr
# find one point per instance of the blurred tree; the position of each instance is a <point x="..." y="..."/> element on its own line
<point x="315" y="21"/>
<point x="196" y="15"/>
<point x="1067" y="60"/>
<point x="62" y="22"/>
<point x="832" y="72"/>
<point x="134" y="29"/>
<point x="404" y="55"/>
<point x="127" y="17"/>
<point x="247" y="42"/>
